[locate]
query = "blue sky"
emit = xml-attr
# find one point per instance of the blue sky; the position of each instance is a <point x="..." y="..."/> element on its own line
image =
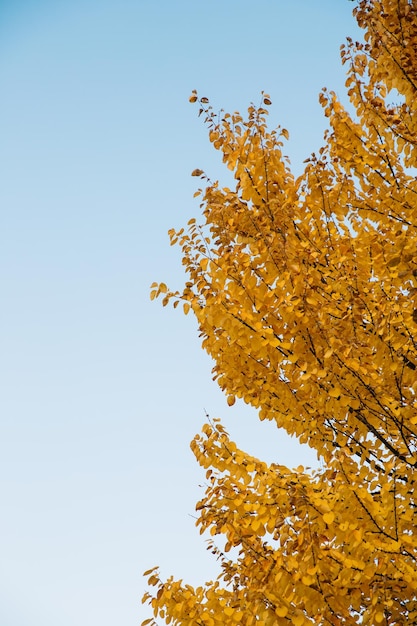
<point x="102" y="390"/>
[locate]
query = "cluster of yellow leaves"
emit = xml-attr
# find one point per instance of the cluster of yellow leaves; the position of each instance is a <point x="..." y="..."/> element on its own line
<point x="305" y="292"/>
<point x="312" y="549"/>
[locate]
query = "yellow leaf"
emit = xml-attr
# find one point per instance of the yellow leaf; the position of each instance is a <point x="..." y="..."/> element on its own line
<point x="335" y="392"/>
<point x="149" y="571"/>
<point x="329" y="518"/>
<point x="354" y="403"/>
<point x="297" y="620"/>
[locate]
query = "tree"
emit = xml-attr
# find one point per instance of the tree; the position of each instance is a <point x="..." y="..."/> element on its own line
<point x="305" y="292"/>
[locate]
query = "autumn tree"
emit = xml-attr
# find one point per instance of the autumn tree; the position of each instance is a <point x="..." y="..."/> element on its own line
<point x="305" y="292"/>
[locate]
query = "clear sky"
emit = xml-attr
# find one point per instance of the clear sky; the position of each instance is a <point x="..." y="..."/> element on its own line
<point x="102" y="390"/>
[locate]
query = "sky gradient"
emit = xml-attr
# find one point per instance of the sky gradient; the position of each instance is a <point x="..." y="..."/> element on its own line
<point x="102" y="390"/>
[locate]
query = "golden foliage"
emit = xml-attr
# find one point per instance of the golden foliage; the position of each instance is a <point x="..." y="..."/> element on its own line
<point x="305" y="291"/>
